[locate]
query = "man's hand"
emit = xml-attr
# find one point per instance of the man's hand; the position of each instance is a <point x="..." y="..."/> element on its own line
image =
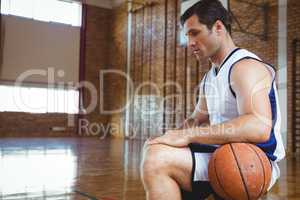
<point x="175" y="138"/>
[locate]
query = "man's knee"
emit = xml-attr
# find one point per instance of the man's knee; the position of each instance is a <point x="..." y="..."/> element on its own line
<point x="155" y="161"/>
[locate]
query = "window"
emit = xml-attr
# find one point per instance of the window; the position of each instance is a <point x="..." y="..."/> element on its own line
<point x="183" y="38"/>
<point x="38" y="100"/>
<point x="66" y="12"/>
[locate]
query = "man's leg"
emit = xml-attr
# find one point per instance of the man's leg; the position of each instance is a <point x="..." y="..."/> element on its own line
<point x="165" y="171"/>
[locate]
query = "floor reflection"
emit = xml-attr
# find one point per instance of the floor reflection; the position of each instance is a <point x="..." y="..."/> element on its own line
<point x="92" y="169"/>
<point x="36" y="170"/>
<point x="70" y="168"/>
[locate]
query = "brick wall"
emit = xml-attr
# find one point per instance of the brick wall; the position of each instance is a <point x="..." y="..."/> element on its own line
<point x="293" y="33"/>
<point x="34" y="125"/>
<point x="245" y="13"/>
<point x="98" y="37"/>
<point x="158" y="58"/>
<point x="115" y="84"/>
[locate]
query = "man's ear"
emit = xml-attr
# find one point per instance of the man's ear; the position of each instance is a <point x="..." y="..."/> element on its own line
<point x="218" y="26"/>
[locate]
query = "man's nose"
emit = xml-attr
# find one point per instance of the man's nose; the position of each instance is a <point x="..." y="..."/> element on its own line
<point x="191" y="43"/>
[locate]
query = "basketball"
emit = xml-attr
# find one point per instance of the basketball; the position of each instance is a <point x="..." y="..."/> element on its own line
<point x="239" y="171"/>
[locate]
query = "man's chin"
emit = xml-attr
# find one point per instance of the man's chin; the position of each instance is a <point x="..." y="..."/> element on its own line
<point x="200" y="57"/>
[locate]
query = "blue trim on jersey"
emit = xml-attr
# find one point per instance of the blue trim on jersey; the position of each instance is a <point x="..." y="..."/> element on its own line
<point x="270" y="146"/>
<point x="229" y="75"/>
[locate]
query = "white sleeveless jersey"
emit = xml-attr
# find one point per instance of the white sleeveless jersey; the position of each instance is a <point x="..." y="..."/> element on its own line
<point x="222" y="103"/>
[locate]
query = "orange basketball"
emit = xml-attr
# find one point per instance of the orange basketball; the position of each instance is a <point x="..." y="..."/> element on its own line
<point x="239" y="171"/>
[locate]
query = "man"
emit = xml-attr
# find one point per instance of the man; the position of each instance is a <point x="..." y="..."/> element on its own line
<point x="238" y="99"/>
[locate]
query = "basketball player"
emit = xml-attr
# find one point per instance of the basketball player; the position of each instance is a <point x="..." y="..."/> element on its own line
<point x="238" y="99"/>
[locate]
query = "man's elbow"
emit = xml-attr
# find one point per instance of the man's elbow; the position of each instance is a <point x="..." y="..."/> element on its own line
<point x="263" y="129"/>
<point x="264" y="135"/>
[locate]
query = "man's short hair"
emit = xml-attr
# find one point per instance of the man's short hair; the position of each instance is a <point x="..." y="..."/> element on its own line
<point x="208" y="12"/>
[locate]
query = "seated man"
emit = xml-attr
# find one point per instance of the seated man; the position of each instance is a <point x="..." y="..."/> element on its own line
<point x="238" y="99"/>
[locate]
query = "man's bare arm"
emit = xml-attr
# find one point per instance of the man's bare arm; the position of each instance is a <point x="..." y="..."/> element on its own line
<point x="200" y="115"/>
<point x="252" y="84"/>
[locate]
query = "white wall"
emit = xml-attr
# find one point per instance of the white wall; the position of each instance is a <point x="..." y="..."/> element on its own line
<point x="30" y="44"/>
<point x="282" y="66"/>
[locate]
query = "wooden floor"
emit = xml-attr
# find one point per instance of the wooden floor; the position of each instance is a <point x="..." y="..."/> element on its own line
<point x="91" y="169"/>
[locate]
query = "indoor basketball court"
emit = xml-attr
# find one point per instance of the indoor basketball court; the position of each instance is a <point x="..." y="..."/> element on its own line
<point x="86" y="84"/>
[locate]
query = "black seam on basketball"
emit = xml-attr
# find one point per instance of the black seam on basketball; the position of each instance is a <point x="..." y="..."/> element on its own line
<point x="219" y="181"/>
<point x="262" y="165"/>
<point x="242" y="176"/>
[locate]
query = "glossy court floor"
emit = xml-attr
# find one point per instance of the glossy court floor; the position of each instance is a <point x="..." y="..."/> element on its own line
<point x="92" y="169"/>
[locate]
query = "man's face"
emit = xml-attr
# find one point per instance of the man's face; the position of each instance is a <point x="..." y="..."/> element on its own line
<point x="202" y="41"/>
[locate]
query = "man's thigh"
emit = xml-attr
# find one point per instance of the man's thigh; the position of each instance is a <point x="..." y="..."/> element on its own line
<point x="177" y="162"/>
<point x="188" y="167"/>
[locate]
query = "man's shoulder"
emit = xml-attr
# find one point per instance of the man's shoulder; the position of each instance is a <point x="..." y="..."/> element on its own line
<point x="249" y="65"/>
<point x="250" y="71"/>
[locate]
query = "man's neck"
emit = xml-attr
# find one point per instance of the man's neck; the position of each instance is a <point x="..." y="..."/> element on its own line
<point x="222" y="53"/>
